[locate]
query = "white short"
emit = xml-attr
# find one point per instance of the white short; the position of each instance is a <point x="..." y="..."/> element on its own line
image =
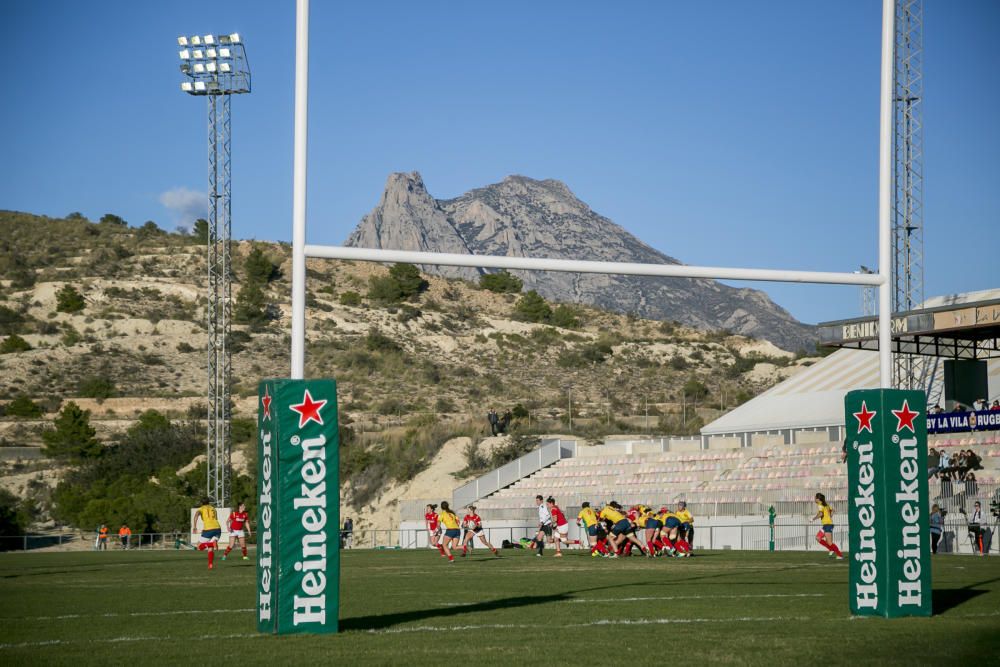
<point x="563" y="529"/>
<point x="236" y="533"/>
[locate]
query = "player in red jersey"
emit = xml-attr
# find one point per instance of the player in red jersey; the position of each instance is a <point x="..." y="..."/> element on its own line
<point x="239" y="530"/>
<point x="473" y="524"/>
<point x="561" y="533"/>
<point x="433" y="528"/>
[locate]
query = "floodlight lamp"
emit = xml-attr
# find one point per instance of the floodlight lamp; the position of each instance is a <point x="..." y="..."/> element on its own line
<point x="223" y="39"/>
<point x="199" y="68"/>
<point x="196" y="40"/>
<point x="211" y="53"/>
<point x="182" y="41"/>
<point x="187" y="87"/>
<point x="198" y="54"/>
<point x="225" y="53"/>
<point x="185" y="68"/>
<point x="209" y="39"/>
<point x="199" y="86"/>
<point x="235" y="38"/>
<point x="210" y="66"/>
<point x="185" y="54"/>
<point x="225" y="68"/>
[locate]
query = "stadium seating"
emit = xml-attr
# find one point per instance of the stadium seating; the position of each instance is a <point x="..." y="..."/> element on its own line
<point x="727" y="483"/>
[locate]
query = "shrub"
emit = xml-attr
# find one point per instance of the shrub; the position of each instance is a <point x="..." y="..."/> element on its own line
<point x="259" y="267"/>
<point x="409" y="279"/>
<point x="695" y="389"/>
<point x="11" y="321"/>
<point x="384" y="289"/>
<point x="532" y="308"/>
<point x="185" y="347"/>
<point x="68" y="300"/>
<point x="22" y="406"/>
<point x="565" y="317"/>
<point x="97" y="386"/>
<point x="112" y="219"/>
<point x="350" y="298"/>
<point x="502" y="282"/>
<point x="14" y="343"/>
<point x="251" y="305"/>
<point x="376" y="341"/>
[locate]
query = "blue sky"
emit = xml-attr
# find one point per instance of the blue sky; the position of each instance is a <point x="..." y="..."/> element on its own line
<point x="724" y="133"/>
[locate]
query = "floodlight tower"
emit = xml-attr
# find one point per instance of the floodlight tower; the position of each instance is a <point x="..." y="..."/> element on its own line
<point x="217" y="68"/>
<point x="908" y="180"/>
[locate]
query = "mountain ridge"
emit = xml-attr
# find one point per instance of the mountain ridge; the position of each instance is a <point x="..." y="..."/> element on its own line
<point x="522" y="216"/>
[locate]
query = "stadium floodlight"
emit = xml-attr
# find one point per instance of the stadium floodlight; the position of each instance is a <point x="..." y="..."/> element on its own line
<point x="217" y="79"/>
<point x="182" y="41"/>
<point x="234" y="38"/>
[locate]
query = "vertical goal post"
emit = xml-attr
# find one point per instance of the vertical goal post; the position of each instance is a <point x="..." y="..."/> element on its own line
<point x="299" y="453"/>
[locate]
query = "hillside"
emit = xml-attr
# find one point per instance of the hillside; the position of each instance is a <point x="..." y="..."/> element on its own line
<point x="522" y="216"/>
<point x="412" y="373"/>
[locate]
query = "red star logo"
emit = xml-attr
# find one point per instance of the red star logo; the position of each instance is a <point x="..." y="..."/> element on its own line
<point x="905" y="417"/>
<point x="308" y="410"/>
<point x="266" y="402"/>
<point x="864" y="418"/>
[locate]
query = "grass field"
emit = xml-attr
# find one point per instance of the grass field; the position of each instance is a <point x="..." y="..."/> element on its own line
<point x="410" y="606"/>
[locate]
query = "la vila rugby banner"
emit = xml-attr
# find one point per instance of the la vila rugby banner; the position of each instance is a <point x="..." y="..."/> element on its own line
<point x="298" y="488"/>
<point x="890" y="555"/>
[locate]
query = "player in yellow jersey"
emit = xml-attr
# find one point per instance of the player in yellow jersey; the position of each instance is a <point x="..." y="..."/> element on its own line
<point x="687" y="523"/>
<point x="452" y="533"/>
<point x="587" y="520"/>
<point x="825" y="536"/>
<point x="621" y="527"/>
<point x="211" y="530"/>
<point x="652" y="524"/>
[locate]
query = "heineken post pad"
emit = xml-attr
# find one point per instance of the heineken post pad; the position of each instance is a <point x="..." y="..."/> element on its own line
<point x="890" y="559"/>
<point x="298" y="514"/>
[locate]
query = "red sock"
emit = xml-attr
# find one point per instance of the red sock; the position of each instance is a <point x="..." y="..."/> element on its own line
<point x="836" y="551"/>
<point x="825" y="545"/>
<point x="244" y="551"/>
<point x="441" y="549"/>
<point x="211" y="556"/>
<point x="682" y="545"/>
<point x="667" y="544"/>
<point x="656" y="544"/>
<point x="228" y="549"/>
<point x="202" y="546"/>
<point x="451" y="558"/>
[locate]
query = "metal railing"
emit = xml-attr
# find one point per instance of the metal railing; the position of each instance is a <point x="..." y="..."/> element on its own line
<point x="548" y="453"/>
<point x="137" y="541"/>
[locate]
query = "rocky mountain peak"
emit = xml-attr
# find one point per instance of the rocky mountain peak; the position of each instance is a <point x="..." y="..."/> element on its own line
<point x="522" y="216"/>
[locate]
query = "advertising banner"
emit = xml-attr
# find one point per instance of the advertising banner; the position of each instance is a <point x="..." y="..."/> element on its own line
<point x="960" y="422"/>
<point x="888" y="506"/>
<point x="298" y="555"/>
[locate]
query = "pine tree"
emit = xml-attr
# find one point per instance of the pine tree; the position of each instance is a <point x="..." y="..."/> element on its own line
<point x="73" y="438"/>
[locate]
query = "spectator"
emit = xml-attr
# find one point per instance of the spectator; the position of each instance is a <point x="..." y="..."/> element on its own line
<point x="505" y="421"/>
<point x="973" y="460"/>
<point x="937" y="525"/>
<point x="936" y="410"/>
<point x="946" y="489"/>
<point x="102" y="538"/>
<point x="124" y="533"/>
<point x="933" y="463"/>
<point x="347" y="534"/>
<point x="996" y="405"/>
<point x="491" y="416"/>
<point x="971" y="486"/>
<point x="958" y="464"/>
<point x="958" y="408"/>
<point x="976" y="529"/>
<point x="945" y="461"/>
<point x="980" y="404"/>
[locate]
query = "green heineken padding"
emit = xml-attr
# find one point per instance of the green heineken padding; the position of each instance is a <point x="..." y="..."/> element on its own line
<point x="888" y="507"/>
<point x="298" y="550"/>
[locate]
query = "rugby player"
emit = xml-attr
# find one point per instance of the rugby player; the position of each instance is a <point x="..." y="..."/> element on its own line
<point x="452" y="534"/>
<point x="473" y="524"/>
<point x="211" y="530"/>
<point x="239" y="530"/>
<point x="825" y="535"/>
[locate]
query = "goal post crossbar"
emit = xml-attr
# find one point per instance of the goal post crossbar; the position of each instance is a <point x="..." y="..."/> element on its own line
<point x="587" y="266"/>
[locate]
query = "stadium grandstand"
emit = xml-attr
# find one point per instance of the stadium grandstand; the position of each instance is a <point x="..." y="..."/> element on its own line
<point x="780" y="448"/>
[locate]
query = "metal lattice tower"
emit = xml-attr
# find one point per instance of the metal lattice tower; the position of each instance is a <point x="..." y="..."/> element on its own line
<point x="908" y="180"/>
<point x="218" y="69"/>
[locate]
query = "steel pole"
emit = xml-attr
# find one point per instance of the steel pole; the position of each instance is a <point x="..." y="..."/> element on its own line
<point x="299" y="189"/>
<point x="885" y="198"/>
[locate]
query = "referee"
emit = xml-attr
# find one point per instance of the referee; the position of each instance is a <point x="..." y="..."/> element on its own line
<point x="544" y="524"/>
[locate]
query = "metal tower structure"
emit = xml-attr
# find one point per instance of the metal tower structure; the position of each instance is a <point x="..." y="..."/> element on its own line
<point x="217" y="68"/>
<point x="908" y="180"/>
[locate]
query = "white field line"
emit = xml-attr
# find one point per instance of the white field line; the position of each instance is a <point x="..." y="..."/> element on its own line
<point x="134" y="614"/>
<point x="450" y="628"/>
<point x="703" y="597"/>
